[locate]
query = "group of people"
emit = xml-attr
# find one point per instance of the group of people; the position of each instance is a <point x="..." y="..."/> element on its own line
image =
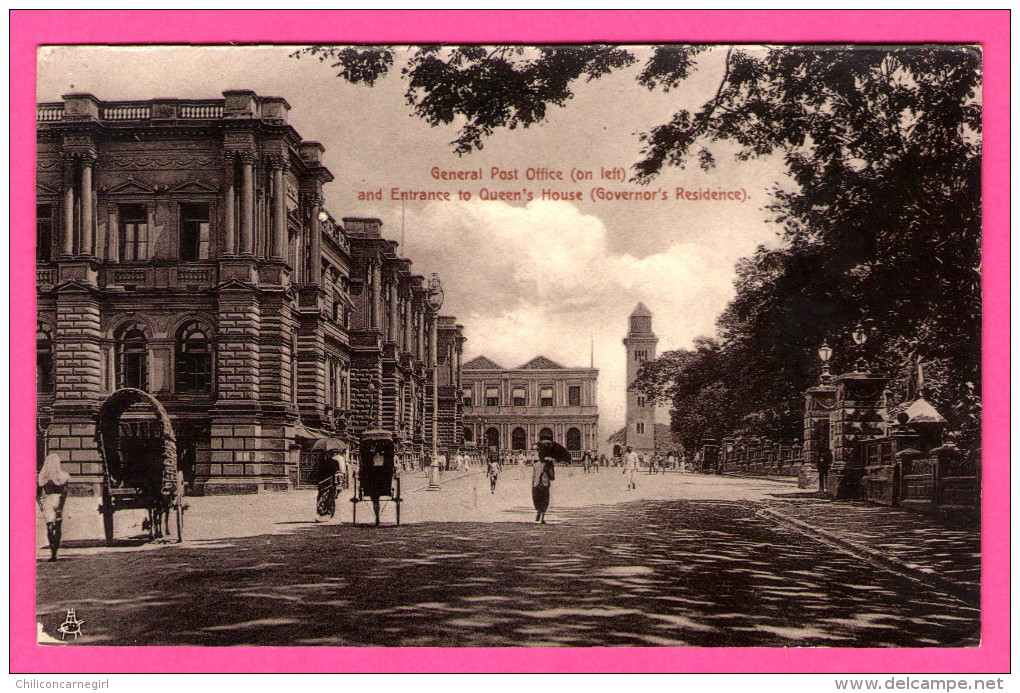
<point x="543" y="471"/>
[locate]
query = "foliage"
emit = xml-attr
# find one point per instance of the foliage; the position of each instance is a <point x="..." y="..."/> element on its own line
<point x="880" y="227"/>
<point x="482" y="87"/>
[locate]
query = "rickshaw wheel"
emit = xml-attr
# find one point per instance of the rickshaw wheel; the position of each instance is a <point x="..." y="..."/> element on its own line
<point x="108" y="518"/>
<point x="179" y="507"/>
<point x="397" y="501"/>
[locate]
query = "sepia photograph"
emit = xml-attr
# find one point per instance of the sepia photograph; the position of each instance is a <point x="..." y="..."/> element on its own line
<point x="509" y="345"/>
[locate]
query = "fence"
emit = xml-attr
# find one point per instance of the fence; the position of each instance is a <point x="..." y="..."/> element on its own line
<point x="759" y="456"/>
<point x="898" y="471"/>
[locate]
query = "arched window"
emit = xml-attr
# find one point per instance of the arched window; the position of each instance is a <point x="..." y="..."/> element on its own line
<point x="545" y="434"/>
<point x="573" y="439"/>
<point x="469" y="435"/>
<point x="193" y="362"/>
<point x="44" y="381"/>
<point x="132" y="357"/>
<point x="518" y="439"/>
<point x="492" y="438"/>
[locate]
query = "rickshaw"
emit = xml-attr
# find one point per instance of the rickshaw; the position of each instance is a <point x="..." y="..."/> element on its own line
<point x="139" y="457"/>
<point x="375" y="475"/>
<point x="330" y="477"/>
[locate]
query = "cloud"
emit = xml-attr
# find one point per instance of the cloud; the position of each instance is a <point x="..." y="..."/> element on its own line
<point x="541" y="279"/>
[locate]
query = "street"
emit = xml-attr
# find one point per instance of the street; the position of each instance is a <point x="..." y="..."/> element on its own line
<point x="683" y="561"/>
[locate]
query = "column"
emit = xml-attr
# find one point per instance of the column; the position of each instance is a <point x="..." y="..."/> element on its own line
<point x="68" y="244"/>
<point x="407" y="324"/>
<point x="87" y="222"/>
<point x="315" y="263"/>
<point x="229" y="225"/>
<point x="419" y="352"/>
<point x="376" y="294"/>
<point x="433" y="339"/>
<point x="391" y="295"/>
<point x="279" y="212"/>
<point x="247" y="202"/>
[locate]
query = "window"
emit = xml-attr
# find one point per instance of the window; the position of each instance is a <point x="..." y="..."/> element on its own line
<point x="641" y="355"/>
<point x="641" y="401"/>
<point x="193" y="365"/>
<point x="43" y="233"/>
<point x="331" y="382"/>
<point x="518" y="439"/>
<point x="133" y="232"/>
<point x="573" y="439"/>
<point x="520" y="396"/>
<point x="468" y="397"/>
<point x="132" y="356"/>
<point x="546" y="396"/>
<point x="574" y="395"/>
<point x="491" y="396"/>
<point x="545" y="434"/>
<point x="194" y="232"/>
<point x="640" y="426"/>
<point x="469" y="435"/>
<point x="43" y="359"/>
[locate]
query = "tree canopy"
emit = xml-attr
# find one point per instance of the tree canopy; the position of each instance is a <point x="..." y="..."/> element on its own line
<point x="881" y="226"/>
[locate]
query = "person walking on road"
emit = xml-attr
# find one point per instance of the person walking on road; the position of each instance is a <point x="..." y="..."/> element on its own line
<point x="630" y="464"/>
<point x="492" y="470"/>
<point x="51" y="492"/>
<point x="543" y="474"/>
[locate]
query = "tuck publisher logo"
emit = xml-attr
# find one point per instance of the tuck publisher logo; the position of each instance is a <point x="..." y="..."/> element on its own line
<point x="71" y="626"/>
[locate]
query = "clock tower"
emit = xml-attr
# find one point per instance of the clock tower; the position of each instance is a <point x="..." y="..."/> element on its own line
<point x="640" y="342"/>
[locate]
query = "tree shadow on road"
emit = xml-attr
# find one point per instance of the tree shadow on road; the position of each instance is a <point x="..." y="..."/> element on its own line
<point x="676" y="573"/>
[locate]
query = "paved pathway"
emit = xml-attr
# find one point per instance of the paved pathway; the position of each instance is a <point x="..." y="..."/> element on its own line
<point x="685" y="560"/>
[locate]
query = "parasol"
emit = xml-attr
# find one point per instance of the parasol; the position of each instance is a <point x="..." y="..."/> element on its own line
<point x="329" y="445"/>
<point x="549" y="449"/>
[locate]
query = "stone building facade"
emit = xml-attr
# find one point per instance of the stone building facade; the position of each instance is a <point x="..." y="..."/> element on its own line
<point x="511" y="408"/>
<point x="183" y="249"/>
<point x="399" y="344"/>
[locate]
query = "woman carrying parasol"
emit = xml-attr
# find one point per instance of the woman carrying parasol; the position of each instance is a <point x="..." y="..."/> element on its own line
<point x="543" y="474"/>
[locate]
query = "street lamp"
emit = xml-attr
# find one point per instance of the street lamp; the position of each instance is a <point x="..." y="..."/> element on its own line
<point x="860" y="336"/>
<point x="825" y="353"/>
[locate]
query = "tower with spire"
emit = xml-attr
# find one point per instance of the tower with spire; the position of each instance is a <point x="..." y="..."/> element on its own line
<point x="640" y="342"/>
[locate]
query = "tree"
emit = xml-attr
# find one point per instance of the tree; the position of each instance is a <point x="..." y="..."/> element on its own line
<point x="881" y="225"/>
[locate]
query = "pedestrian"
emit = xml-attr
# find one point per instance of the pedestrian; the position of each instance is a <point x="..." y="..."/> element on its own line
<point x="492" y="470"/>
<point x="343" y="469"/>
<point x="327" y="470"/>
<point x="630" y="463"/>
<point x="542" y="476"/>
<point x="51" y="492"/>
<point x="824" y="464"/>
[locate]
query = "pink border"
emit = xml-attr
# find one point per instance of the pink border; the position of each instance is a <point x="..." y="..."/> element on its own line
<point x="989" y="28"/>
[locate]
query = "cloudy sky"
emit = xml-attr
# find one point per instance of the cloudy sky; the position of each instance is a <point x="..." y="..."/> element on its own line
<point x="524" y="278"/>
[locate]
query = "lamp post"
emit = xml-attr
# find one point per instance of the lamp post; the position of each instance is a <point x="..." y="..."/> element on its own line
<point x="825" y="353"/>
<point x="435" y="302"/>
<point x="860" y="336"/>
